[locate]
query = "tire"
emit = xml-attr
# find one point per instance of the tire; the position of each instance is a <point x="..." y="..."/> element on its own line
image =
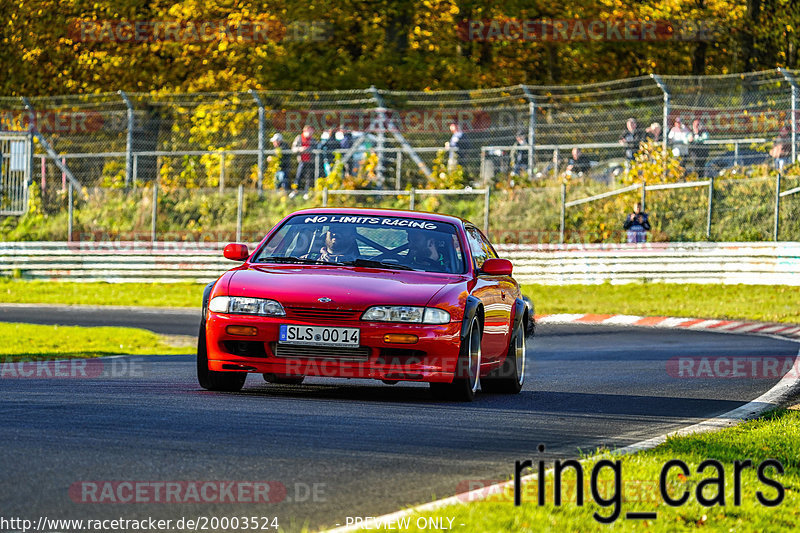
<point x="509" y="377"/>
<point x="279" y="379"/>
<point x="467" y="379"/>
<point x="210" y="379"/>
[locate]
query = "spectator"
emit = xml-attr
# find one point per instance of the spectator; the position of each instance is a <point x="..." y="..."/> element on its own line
<point x="782" y="149"/>
<point x="698" y="151"/>
<point x="653" y="133"/>
<point x="303" y="145"/>
<point x="345" y="140"/>
<point x="679" y="138"/>
<point x="453" y="146"/>
<point x="578" y="163"/>
<point x="328" y="143"/>
<point x="519" y="155"/>
<point x="283" y="153"/>
<point x="637" y="224"/>
<point x="631" y="138"/>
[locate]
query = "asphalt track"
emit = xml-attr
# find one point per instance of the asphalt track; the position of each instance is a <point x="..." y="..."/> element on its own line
<point x="368" y="448"/>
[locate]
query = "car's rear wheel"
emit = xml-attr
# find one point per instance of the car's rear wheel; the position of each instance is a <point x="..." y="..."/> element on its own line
<point x="467" y="379"/>
<point x="282" y="379"/>
<point x="509" y="377"/>
<point x="210" y="379"/>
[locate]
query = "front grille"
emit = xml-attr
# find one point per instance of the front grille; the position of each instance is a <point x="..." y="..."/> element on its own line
<point x="320" y="352"/>
<point x="312" y="313"/>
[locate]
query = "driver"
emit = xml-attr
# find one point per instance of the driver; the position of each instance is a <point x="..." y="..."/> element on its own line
<point x="423" y="251"/>
<point x="340" y="244"/>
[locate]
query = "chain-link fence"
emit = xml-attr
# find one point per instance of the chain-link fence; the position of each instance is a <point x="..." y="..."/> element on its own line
<point x="518" y="141"/>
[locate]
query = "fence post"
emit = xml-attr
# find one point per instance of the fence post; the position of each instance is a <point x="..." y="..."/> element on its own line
<point x="221" y="172"/>
<point x="69" y="221"/>
<point x="412" y="199"/>
<point x="382" y="125"/>
<point x="777" y="207"/>
<point x="644" y="194"/>
<point x="239" y="207"/>
<point x="486" y="195"/>
<point x="325" y="197"/>
<point x="398" y="172"/>
<point x="129" y="141"/>
<point x="665" y="119"/>
<point x="261" y="140"/>
<point x="555" y="162"/>
<point x="482" y="171"/>
<point x="710" y="206"/>
<point x="563" y="212"/>
<point x="135" y="169"/>
<point x="154" y="214"/>
<point x="531" y="127"/>
<point x="793" y="83"/>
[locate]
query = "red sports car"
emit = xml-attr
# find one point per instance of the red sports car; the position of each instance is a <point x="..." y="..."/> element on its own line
<point x="367" y="293"/>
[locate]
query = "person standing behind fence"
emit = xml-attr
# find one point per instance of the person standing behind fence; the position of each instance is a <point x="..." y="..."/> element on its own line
<point x="653" y="133"/>
<point x="679" y="138"/>
<point x="630" y="139"/>
<point x="284" y="155"/>
<point x="303" y="146"/>
<point x="637" y="224"/>
<point x="453" y="145"/>
<point x="782" y="148"/>
<point x="519" y="155"/>
<point x="698" y="151"/>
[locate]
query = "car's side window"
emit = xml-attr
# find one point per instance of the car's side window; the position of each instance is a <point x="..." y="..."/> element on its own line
<point x="487" y="246"/>
<point x="476" y="246"/>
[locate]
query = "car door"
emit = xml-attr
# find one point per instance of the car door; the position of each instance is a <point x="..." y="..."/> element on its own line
<point x="496" y="306"/>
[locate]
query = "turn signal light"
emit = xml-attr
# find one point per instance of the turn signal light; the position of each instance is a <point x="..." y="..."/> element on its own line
<point x="400" y="338"/>
<point x="249" y="331"/>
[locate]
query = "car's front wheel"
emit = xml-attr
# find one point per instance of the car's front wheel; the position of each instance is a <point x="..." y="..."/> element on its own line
<point x="465" y="384"/>
<point x="210" y="379"/>
<point x="509" y="377"/>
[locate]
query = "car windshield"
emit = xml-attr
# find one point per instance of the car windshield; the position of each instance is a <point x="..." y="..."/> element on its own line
<point x="395" y="243"/>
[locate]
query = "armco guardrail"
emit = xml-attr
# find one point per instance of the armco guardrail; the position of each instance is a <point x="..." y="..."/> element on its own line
<point x="748" y="263"/>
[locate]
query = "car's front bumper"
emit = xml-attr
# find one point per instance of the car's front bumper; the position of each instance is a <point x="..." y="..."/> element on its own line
<point x="432" y="358"/>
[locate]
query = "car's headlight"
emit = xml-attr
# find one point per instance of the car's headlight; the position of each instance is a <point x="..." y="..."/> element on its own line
<point x="239" y="305"/>
<point x="405" y="313"/>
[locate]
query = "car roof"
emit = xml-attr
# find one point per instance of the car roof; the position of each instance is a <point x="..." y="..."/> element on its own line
<point x="421" y="215"/>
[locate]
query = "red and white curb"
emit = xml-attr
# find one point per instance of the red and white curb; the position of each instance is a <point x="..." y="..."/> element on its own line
<point x="788" y="331"/>
<point x="782" y="392"/>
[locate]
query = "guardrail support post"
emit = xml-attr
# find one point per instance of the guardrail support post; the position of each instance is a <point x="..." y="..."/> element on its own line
<point x="412" y="199"/>
<point x="129" y="141"/>
<point x="261" y="140"/>
<point x="239" y="208"/>
<point x="777" y="207"/>
<point x="70" y="220"/>
<point x="325" y="197"/>
<point x="154" y="215"/>
<point x="486" y="196"/>
<point x="644" y="194"/>
<point x="563" y="212"/>
<point x="710" y="207"/>
<point x="398" y="172"/>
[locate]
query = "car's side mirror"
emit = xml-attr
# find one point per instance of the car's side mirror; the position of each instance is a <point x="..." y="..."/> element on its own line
<point x="236" y="252"/>
<point x="497" y="267"/>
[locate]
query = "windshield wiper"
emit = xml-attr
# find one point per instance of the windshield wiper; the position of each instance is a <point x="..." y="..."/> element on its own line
<point x="378" y="264"/>
<point x="292" y="259"/>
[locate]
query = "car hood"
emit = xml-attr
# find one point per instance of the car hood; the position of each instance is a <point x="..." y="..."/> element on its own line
<point x="347" y="287"/>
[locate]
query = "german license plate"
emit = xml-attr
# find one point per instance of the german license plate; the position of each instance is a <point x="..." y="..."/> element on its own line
<point x="319" y="336"/>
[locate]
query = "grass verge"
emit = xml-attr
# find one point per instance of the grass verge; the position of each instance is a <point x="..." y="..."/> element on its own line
<point x="768" y="303"/>
<point x="34" y="342"/>
<point x="774" y="436"/>
<point x="754" y="302"/>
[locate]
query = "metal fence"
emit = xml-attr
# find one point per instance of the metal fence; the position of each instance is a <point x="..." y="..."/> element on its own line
<point x="194" y="139"/>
